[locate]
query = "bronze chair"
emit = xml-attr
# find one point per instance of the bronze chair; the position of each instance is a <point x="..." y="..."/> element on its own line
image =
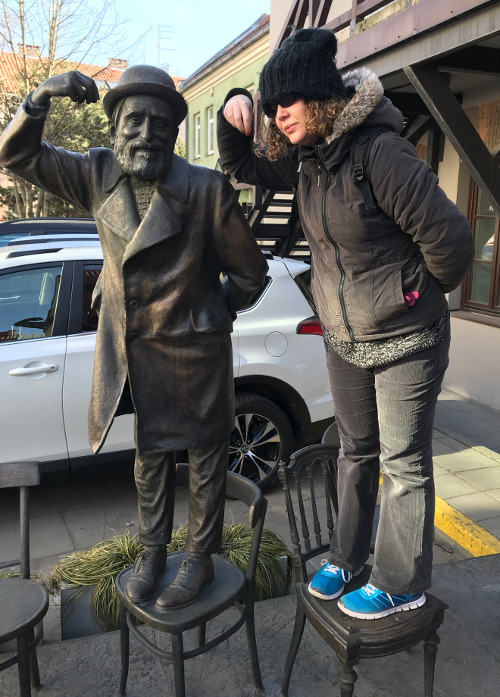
<point x="228" y="589"/>
<point x="309" y="484"/>
<point x="23" y="602"/>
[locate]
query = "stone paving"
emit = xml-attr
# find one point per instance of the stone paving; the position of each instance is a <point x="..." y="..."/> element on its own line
<point x="466" y="450"/>
<point x="467" y="658"/>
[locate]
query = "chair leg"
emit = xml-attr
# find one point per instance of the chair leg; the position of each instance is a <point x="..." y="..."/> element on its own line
<point x="298" y="630"/>
<point x="430" y="651"/>
<point x="178" y="659"/>
<point x="124" y="649"/>
<point x="23" y="664"/>
<point x="202" y="634"/>
<point x="252" y="648"/>
<point x="34" y="672"/>
<point x="347" y="677"/>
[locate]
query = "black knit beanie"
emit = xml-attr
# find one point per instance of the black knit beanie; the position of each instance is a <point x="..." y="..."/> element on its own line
<point x="303" y="66"/>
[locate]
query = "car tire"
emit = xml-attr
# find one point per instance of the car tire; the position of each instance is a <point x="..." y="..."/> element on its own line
<point x="261" y="439"/>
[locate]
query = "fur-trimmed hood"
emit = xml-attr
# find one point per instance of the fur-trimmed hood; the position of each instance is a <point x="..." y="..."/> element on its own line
<point x="367" y="106"/>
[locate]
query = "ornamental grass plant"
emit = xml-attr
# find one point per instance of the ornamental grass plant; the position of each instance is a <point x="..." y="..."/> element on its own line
<point x="98" y="567"/>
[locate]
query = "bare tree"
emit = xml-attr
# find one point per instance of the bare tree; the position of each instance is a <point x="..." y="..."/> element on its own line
<point x="46" y="37"/>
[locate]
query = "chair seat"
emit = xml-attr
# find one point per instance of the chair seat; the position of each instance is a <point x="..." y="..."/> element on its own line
<point x="228" y="586"/>
<point x="24" y="603"/>
<point x="358" y="638"/>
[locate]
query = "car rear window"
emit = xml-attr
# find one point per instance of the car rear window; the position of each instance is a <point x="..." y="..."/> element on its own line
<point x="10" y="236"/>
<point x="257" y="296"/>
<point x="303" y="280"/>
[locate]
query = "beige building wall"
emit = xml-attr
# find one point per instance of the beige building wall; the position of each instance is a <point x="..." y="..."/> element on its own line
<point x="475" y="345"/>
<point x="473" y="370"/>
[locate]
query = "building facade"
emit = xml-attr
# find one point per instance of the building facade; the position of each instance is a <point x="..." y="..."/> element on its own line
<point x="236" y="65"/>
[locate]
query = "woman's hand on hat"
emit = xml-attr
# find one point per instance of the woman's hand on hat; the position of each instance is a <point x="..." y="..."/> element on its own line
<point x="73" y="84"/>
<point x="239" y="112"/>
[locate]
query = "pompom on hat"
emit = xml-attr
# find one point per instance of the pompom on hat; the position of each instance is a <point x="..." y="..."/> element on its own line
<point x="303" y="66"/>
<point x="145" y="79"/>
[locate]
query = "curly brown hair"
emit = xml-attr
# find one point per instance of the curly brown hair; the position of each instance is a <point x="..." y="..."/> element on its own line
<point x="320" y="117"/>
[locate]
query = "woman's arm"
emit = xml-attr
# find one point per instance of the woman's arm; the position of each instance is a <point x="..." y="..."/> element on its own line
<point x="407" y="190"/>
<point x="236" y="149"/>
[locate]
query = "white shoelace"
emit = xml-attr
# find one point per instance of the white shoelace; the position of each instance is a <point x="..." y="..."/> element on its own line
<point x="334" y="570"/>
<point x="371" y="590"/>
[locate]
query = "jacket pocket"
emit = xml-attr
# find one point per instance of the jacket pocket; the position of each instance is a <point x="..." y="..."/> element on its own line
<point x="208" y="321"/>
<point x="387" y="293"/>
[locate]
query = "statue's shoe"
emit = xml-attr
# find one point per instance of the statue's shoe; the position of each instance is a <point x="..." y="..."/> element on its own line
<point x="147" y="571"/>
<point x="191" y="578"/>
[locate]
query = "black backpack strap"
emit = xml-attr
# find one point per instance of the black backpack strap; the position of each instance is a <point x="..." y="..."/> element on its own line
<point x="360" y="148"/>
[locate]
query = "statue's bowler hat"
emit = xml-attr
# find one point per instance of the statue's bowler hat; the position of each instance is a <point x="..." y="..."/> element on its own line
<point x="145" y="79"/>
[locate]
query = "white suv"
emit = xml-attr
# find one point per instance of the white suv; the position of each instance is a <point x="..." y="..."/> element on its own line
<point x="47" y="341"/>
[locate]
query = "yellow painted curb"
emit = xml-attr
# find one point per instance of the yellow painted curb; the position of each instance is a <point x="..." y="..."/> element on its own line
<point x="469" y="535"/>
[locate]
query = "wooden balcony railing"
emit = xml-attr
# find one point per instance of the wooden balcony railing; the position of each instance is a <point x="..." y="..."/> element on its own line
<point x="317" y="13"/>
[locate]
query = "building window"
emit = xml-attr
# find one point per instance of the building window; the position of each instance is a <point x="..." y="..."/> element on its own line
<point x="210" y="130"/>
<point x="481" y="291"/>
<point x="197" y="136"/>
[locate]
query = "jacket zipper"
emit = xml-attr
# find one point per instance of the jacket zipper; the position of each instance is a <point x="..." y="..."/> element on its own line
<point x="337" y="256"/>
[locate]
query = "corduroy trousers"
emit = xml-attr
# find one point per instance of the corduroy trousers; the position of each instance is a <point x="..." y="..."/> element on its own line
<point x="385" y="418"/>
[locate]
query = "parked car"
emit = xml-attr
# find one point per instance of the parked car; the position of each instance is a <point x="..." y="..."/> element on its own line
<point x="38" y="227"/>
<point x="47" y="341"/>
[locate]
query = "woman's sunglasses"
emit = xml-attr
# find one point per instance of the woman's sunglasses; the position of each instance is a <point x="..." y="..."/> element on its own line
<point x="284" y="103"/>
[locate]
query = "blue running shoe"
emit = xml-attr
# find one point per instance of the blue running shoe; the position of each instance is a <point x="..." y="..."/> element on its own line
<point x="328" y="583"/>
<point x="368" y="603"/>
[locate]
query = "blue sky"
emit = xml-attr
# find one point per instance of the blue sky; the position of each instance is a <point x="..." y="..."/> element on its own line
<point x="199" y="29"/>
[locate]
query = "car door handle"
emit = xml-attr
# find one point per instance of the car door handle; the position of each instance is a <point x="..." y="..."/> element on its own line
<point x="44" y="368"/>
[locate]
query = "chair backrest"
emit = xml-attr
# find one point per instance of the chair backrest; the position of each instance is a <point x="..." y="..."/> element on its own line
<point x="331" y="435"/>
<point x="249" y="493"/>
<point x="309" y="482"/>
<point x="21" y="475"/>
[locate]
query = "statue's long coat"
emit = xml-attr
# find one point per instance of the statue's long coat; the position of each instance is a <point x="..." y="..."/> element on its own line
<point x="164" y="319"/>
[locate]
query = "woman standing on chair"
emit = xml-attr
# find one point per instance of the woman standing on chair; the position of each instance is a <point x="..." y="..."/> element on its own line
<point x="380" y="274"/>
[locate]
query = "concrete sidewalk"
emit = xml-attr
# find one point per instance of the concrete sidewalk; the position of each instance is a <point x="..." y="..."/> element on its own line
<point x="466" y="450"/>
<point x="467" y="658"/>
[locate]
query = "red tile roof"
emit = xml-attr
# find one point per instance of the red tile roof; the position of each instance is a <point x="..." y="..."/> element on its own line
<point x="177" y="80"/>
<point x="103" y="74"/>
<point x="9" y="63"/>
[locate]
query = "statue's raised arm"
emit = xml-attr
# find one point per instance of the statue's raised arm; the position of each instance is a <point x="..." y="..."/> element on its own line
<point x="78" y="87"/>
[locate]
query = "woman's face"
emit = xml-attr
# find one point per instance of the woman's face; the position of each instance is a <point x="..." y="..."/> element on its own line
<point x="291" y="121"/>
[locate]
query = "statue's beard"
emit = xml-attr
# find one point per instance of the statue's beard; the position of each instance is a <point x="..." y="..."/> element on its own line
<point x="141" y="159"/>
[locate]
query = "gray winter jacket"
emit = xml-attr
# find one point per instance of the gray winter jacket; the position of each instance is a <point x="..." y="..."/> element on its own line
<point x="364" y="263"/>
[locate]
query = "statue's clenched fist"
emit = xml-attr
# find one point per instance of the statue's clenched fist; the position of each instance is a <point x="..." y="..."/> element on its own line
<point x="73" y="84"/>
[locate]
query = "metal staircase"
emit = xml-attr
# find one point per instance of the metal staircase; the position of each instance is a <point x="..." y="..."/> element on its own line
<point x="276" y="226"/>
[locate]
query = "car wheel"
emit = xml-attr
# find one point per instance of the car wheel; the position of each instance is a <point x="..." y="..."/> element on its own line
<point x="262" y="437"/>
